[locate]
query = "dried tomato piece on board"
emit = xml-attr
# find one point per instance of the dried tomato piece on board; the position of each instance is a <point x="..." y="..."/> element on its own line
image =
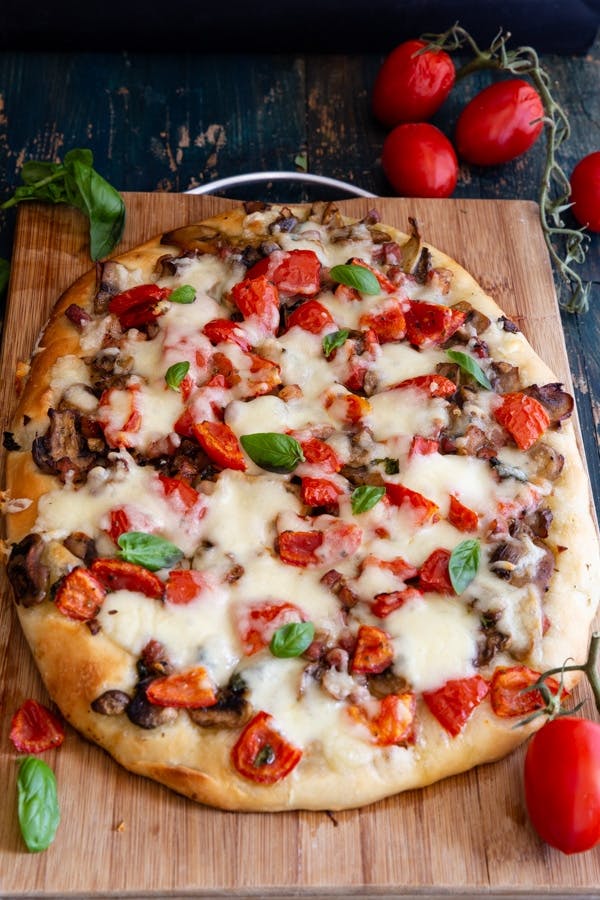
<point x="262" y="754"/>
<point x="34" y="728"/>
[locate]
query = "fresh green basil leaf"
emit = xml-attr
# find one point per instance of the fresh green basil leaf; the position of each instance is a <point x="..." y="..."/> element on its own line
<point x="273" y="451"/>
<point x="4" y="275"/>
<point x="390" y="466"/>
<point x="89" y="192"/>
<point x="356" y="277"/>
<point x="35" y="170"/>
<point x="464" y="563"/>
<point x="183" y="294"/>
<point x="468" y="365"/>
<point x="365" y="497"/>
<point x="292" y="639"/>
<point x="176" y="373"/>
<point x="334" y="340"/>
<point x="81" y="155"/>
<point x="505" y="471"/>
<point x="37" y="803"/>
<point x="147" y="550"/>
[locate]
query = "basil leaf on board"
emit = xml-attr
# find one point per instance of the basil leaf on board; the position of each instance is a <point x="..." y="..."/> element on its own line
<point x="176" y="373"/>
<point x="77" y="183"/>
<point x="468" y="365"/>
<point x="273" y="451"/>
<point x="37" y="803"/>
<point x="185" y="293"/>
<point x="334" y="340"/>
<point x="356" y="277"/>
<point x="147" y="550"/>
<point x="292" y="639"/>
<point x="365" y="497"/>
<point x="464" y="563"/>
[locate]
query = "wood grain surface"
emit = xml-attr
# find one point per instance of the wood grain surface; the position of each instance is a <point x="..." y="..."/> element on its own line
<point x="122" y="835"/>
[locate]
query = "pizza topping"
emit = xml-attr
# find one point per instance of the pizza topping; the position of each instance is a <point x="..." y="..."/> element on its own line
<point x="434" y="574"/>
<point x="463" y="564"/>
<point x="455" y="701"/>
<point x="258" y="624"/>
<point x="64" y="450"/>
<point x="34" y="728"/>
<point x="176" y="374"/>
<point x="509" y="694"/>
<point x="461" y="516"/>
<point x="430" y="385"/>
<point x="357" y="276"/>
<point x="190" y="690"/>
<point x="148" y="550"/>
<point x="262" y="754"/>
<point x="117" y="575"/>
<point x="139" y="306"/>
<point x="431" y="323"/>
<point x="523" y="417"/>
<point x="111" y="703"/>
<point x="292" y="639"/>
<point x="421" y="509"/>
<point x="472" y="368"/>
<point x="365" y="497"/>
<point x="80" y="595"/>
<point x="556" y="401"/>
<point x="373" y="652"/>
<point x="258" y="300"/>
<point x="393" y="720"/>
<point x="220" y="444"/>
<point x="27" y="572"/>
<point x="145" y="714"/>
<point x="232" y="709"/>
<point x="295" y="272"/>
<point x="273" y="452"/>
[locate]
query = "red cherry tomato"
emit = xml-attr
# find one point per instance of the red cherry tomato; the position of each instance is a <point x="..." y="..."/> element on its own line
<point x="562" y="783"/>
<point x="411" y="86"/>
<point x="419" y="161"/>
<point x="585" y="191"/>
<point x="500" y="123"/>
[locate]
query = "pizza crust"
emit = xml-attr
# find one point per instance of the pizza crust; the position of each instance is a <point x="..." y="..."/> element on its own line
<point x="201" y="769"/>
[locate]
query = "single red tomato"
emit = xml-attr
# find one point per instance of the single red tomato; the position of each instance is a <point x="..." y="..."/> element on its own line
<point x="500" y="123"/>
<point x="585" y="191"/>
<point x="419" y="161"/>
<point x="562" y="783"/>
<point x="411" y="86"/>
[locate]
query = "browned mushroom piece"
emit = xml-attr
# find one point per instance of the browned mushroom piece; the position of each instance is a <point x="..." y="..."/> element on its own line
<point x="504" y="377"/>
<point x="111" y="703"/>
<point x="232" y="709"/>
<point x="476" y="319"/>
<point x="63" y="449"/>
<point x="555" y="400"/>
<point x="27" y="573"/>
<point x="385" y="683"/>
<point x="141" y="712"/>
<point x="549" y="462"/>
<point x="196" y="238"/>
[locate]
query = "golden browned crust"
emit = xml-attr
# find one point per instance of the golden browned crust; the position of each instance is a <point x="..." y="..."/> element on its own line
<point x="77" y="667"/>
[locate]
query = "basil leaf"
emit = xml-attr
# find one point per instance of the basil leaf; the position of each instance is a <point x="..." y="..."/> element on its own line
<point x="390" y="466"/>
<point x="176" y="373"/>
<point x="468" y="365"/>
<point x="365" y="497"/>
<point x="292" y="639"/>
<point x="356" y="277"/>
<point x="464" y="563"/>
<point x="147" y="550"/>
<point x="37" y="803"/>
<point x="183" y="294"/>
<point x="35" y="170"/>
<point x="272" y="451"/>
<point x="334" y="340"/>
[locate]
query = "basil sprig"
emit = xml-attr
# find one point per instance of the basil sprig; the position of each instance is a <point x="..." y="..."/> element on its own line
<point x="464" y="563"/>
<point x="176" y="373"/>
<point x="365" y="497"/>
<point x="292" y="639"/>
<point x="357" y="277"/>
<point x="273" y="451"/>
<point x="76" y="182"/>
<point x="147" y="550"/>
<point x="37" y="803"/>
<point x="334" y="340"/>
<point x="185" y="293"/>
<point x="468" y="365"/>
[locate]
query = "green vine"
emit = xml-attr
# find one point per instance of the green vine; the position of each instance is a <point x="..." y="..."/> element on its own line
<point x="555" y="189"/>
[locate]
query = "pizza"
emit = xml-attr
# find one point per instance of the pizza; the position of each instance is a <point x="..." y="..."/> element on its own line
<point x="295" y="513"/>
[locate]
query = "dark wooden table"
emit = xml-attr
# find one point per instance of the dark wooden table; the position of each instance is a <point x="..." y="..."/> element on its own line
<point x="173" y="121"/>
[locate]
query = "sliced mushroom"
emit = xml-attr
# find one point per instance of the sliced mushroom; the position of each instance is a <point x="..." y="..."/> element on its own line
<point x="504" y="377"/>
<point x="555" y="400"/>
<point x="385" y="683"/>
<point x="27" y="573"/>
<point x="63" y="450"/>
<point x="548" y="461"/>
<point x="476" y="319"/>
<point x="232" y="709"/>
<point x="141" y="712"/>
<point x="111" y="703"/>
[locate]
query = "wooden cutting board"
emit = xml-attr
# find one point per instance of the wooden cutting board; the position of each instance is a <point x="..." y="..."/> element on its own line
<point x="121" y="834"/>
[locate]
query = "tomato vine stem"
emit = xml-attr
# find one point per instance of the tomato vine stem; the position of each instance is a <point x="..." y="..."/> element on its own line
<point x="555" y="189"/>
<point x="589" y="669"/>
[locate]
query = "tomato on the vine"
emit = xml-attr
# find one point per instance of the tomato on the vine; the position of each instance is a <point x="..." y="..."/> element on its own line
<point x="585" y="191"/>
<point x="562" y="783"/>
<point x="500" y="123"/>
<point x="419" y="161"/>
<point x="410" y="85"/>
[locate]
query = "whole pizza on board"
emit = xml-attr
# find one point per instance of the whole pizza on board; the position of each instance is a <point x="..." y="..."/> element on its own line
<point x="296" y="512"/>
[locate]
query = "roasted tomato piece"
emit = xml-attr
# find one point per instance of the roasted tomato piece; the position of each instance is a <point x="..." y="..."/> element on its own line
<point x="399" y="567"/>
<point x="434" y="575"/>
<point x="293" y="271"/>
<point x="224" y="331"/>
<point x="422" y="446"/>
<point x="373" y="652"/>
<point x="297" y="548"/>
<point x="119" y="415"/>
<point x="188" y="690"/>
<point x="257" y="624"/>
<point x="262" y="754"/>
<point x="319" y="492"/>
<point x="508" y="695"/>
<point x="184" y="586"/>
<point x="140" y="305"/>
<point x="393" y="723"/>
<point x="310" y="316"/>
<point x="180" y="491"/>
<point x="220" y="444"/>
<point x="524" y="418"/>
<point x="264" y="375"/>
<point x="260" y="298"/>
<point x="120" y="575"/>
<point x="119" y="523"/>
<point x="461" y="516"/>
<point x="385" y="603"/>
<point x="319" y="453"/>
<point x="453" y="703"/>
<point x="424" y="510"/>
<point x="80" y="594"/>
<point x="431" y="323"/>
<point x="431" y="385"/>
<point x="34" y="728"/>
<point x="388" y="324"/>
<point x="384" y="283"/>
